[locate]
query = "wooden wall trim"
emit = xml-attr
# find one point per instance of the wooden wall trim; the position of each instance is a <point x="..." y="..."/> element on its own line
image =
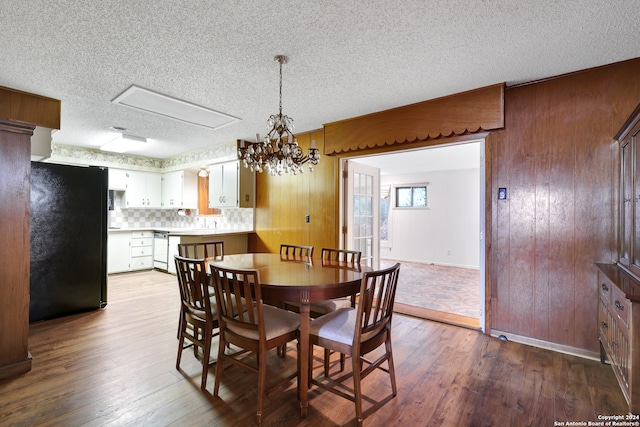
<point x="23" y="107"/>
<point x="463" y="113"/>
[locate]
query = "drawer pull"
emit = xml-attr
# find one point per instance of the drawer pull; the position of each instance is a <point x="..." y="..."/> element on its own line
<point x="604" y="325"/>
<point x="614" y="344"/>
<point x="605" y="287"/>
<point x="619" y="306"/>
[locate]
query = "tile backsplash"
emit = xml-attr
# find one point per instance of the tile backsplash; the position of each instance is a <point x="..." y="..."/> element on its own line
<point x="230" y="219"/>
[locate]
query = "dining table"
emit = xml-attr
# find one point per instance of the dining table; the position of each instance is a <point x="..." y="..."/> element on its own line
<point x="303" y="280"/>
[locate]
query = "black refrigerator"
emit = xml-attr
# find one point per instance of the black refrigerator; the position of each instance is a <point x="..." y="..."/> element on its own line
<point x="68" y="240"/>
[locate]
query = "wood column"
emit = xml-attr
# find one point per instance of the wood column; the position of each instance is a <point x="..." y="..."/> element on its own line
<point x="20" y="113"/>
<point x="15" y="169"/>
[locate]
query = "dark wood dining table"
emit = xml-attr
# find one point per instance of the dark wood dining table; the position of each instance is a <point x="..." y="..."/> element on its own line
<point x="304" y="280"/>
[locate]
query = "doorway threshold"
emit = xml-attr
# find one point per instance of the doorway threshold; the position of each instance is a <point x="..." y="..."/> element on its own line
<point x="438" y="316"/>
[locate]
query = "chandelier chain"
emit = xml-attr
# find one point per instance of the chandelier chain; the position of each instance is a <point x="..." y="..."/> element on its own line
<point x="280" y="61"/>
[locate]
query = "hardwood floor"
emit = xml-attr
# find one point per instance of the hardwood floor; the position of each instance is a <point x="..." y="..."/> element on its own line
<point x="116" y="367"/>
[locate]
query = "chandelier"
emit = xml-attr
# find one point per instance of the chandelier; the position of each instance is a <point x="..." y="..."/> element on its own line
<point x="279" y="152"/>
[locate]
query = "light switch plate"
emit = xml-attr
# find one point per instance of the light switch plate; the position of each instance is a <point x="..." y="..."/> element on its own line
<point x="502" y="193"/>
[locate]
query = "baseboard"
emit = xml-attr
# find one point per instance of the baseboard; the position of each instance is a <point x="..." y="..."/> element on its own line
<point x="419" y="261"/>
<point x="573" y="351"/>
<point x="16" y="367"/>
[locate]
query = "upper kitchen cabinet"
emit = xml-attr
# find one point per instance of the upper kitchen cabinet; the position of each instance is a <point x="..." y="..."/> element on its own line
<point x="117" y="179"/>
<point x="231" y="186"/>
<point x="180" y="190"/>
<point x="144" y="190"/>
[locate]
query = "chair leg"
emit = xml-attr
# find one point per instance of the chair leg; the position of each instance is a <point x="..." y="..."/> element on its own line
<point x="327" y="359"/>
<point x="196" y="334"/>
<point x="282" y="351"/>
<point x="357" y="392"/>
<point x="179" y="324"/>
<point x="180" y="342"/>
<point x="219" y="363"/>
<point x="392" y="370"/>
<point x="205" y="357"/>
<point x="262" y="379"/>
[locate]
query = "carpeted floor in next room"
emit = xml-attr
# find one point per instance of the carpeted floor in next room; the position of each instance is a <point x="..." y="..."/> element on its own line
<point x="437" y="287"/>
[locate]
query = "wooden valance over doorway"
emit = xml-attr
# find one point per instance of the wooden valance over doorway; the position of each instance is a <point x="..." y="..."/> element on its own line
<point x="464" y="113"/>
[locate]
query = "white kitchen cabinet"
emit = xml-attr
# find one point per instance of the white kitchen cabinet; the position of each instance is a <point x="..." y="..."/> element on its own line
<point x="180" y="190"/>
<point x="144" y="190"/>
<point x="117" y="179"/>
<point x="118" y="255"/>
<point x="141" y="250"/>
<point x="231" y="186"/>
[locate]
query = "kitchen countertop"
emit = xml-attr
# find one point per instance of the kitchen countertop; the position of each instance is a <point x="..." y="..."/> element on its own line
<point x="185" y="231"/>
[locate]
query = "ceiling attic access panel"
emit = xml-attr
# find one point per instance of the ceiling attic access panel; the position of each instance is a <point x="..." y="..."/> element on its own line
<point x="478" y="110"/>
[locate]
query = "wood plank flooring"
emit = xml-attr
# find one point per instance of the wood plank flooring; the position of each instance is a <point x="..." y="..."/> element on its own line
<point x="116" y="367"/>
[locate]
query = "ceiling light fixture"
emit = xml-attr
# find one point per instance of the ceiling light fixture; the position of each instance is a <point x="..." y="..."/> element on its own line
<point x="279" y="152"/>
<point x="123" y="143"/>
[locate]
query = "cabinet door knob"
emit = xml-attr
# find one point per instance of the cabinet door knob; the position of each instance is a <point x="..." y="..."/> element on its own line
<point x="605" y="287"/>
<point x="604" y="325"/>
<point x="619" y="306"/>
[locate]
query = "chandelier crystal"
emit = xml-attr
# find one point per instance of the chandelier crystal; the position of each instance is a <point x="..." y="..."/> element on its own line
<point x="279" y="152"/>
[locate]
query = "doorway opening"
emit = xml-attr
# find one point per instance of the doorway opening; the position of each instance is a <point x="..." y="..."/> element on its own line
<point x="431" y="220"/>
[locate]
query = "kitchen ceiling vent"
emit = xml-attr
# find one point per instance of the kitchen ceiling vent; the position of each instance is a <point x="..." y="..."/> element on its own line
<point x="163" y="105"/>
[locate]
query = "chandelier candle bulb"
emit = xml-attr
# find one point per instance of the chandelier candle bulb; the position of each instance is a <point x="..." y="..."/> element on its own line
<point x="313" y="143"/>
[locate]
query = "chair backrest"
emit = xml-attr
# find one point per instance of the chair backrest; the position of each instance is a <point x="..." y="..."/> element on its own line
<point x="239" y="301"/>
<point x="201" y="250"/>
<point x="194" y="289"/>
<point x="343" y="255"/>
<point x="375" y="306"/>
<point x="296" y="251"/>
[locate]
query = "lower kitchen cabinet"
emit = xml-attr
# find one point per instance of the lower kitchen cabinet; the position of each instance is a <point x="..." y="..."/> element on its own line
<point x="141" y="250"/>
<point x="118" y="257"/>
<point x="129" y="251"/>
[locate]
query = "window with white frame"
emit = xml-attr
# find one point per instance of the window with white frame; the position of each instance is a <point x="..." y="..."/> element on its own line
<point x="411" y="196"/>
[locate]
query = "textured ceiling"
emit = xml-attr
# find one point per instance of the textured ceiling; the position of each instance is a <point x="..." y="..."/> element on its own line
<point x="346" y="58"/>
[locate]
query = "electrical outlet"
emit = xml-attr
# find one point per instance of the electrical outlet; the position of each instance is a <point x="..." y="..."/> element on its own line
<point x="306" y="219"/>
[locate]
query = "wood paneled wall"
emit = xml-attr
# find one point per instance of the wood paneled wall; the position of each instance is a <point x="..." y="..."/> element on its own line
<point x="282" y="203"/>
<point x="559" y="161"/>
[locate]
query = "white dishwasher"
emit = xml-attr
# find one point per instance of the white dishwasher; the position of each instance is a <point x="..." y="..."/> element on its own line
<point x="160" y="250"/>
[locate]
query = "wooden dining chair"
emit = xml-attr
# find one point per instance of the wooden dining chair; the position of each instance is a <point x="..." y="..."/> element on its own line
<point x="296" y="251"/>
<point x="359" y="331"/>
<point x="341" y="255"/>
<point x="249" y="324"/>
<point x="201" y="249"/>
<point x="330" y="257"/>
<point x="198" y="318"/>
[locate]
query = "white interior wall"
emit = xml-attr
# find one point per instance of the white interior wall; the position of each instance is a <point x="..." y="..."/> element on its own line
<point x="447" y="232"/>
